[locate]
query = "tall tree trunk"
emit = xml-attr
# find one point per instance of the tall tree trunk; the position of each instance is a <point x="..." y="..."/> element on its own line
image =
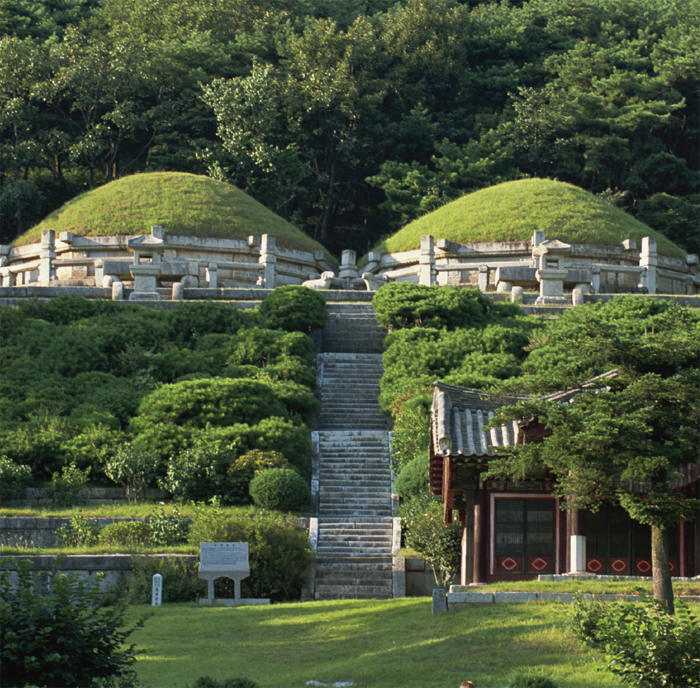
<point x="660" y="568"/>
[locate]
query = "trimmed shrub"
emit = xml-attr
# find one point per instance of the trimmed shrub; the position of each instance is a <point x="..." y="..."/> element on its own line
<point x="14" y="478"/>
<point x="278" y="548"/>
<point x="170" y="417"/>
<point x="403" y="304"/>
<point x="246" y="467"/>
<point x="63" y="634"/>
<point x="280" y="489"/>
<point x="126" y="533"/>
<point x="413" y="479"/>
<point x="181" y="582"/>
<point x="293" y="307"/>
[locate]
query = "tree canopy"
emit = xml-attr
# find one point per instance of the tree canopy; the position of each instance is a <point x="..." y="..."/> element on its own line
<point x="351" y="118"/>
<point x="626" y="437"/>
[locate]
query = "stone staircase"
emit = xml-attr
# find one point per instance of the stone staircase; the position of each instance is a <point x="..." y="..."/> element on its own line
<point x="355" y="525"/>
<point x="352" y="328"/>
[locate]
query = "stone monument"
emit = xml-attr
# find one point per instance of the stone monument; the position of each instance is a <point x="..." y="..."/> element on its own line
<point x="226" y="560"/>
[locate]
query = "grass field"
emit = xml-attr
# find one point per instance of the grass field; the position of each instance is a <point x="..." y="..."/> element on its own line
<point x="183" y="204"/>
<point x="374" y="644"/>
<point x="512" y="211"/>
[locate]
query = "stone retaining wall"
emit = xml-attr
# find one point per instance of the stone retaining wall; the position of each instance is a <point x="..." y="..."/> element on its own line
<point x="112" y="566"/>
<point x="28" y="531"/>
<point x="90" y="496"/>
<point x="462" y="600"/>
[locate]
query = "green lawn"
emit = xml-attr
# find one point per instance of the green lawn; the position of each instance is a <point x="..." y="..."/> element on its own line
<point x="378" y="644"/>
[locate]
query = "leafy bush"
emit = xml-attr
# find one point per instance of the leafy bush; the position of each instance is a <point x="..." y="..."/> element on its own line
<point x="208" y="682"/>
<point x="293" y="307"/>
<point x="199" y="474"/>
<point x="126" y="533"/>
<point x="169" y="529"/>
<point x="644" y="644"/>
<point x="413" y="479"/>
<point x="181" y="582"/>
<point x="192" y="321"/>
<point x="80" y="531"/>
<point x="131" y="468"/>
<point x="66" y="485"/>
<point x="169" y="418"/>
<point x="425" y="531"/>
<point x="64" y="635"/>
<point x="246" y="467"/>
<point x="280" y="489"/>
<point x="529" y="679"/>
<point x="402" y="304"/>
<point x="278" y="548"/>
<point x="411" y="432"/>
<point x="14" y="478"/>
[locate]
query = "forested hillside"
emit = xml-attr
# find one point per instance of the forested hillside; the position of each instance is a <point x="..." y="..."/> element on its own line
<point x="352" y="117"/>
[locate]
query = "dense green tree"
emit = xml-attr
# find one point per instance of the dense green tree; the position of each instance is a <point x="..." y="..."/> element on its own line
<point x="640" y="428"/>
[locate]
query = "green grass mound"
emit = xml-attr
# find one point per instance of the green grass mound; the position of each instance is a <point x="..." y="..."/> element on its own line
<point x="184" y="204"/>
<point x="512" y="211"/>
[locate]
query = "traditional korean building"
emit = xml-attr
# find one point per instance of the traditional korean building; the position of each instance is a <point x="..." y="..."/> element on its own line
<point x="518" y="530"/>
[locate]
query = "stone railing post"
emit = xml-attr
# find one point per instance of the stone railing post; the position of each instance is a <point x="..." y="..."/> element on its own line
<point x="595" y="278"/>
<point x="649" y="260"/>
<point x="348" y="267"/>
<point x="47" y="255"/>
<point x="268" y="261"/>
<point x="212" y="275"/>
<point x="426" y="274"/>
<point x="483" y="277"/>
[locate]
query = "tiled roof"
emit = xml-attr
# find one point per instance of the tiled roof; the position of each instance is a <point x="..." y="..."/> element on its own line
<point x="459" y="415"/>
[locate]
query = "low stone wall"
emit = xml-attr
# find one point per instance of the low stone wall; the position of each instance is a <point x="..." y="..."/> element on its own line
<point x="457" y="599"/>
<point x="28" y="531"/>
<point x="112" y="567"/>
<point x="90" y="496"/>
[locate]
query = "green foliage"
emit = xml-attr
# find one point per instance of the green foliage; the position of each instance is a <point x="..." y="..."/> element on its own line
<point x="644" y="644"/>
<point x="529" y="679"/>
<point x="170" y="418"/>
<point x="403" y="304"/>
<point x="295" y="308"/>
<point x="127" y="533"/>
<point x="200" y="473"/>
<point x="411" y="432"/>
<point x="280" y="489"/>
<point x="413" y="479"/>
<point x="168" y="529"/>
<point x="14" y="478"/>
<point x="247" y="466"/>
<point x="279" y="552"/>
<point x="180" y="579"/>
<point x="422" y="522"/>
<point x="131" y="468"/>
<point x="60" y="635"/>
<point x="639" y="425"/>
<point x="66" y="486"/>
<point x="208" y="682"/>
<point x="80" y="531"/>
